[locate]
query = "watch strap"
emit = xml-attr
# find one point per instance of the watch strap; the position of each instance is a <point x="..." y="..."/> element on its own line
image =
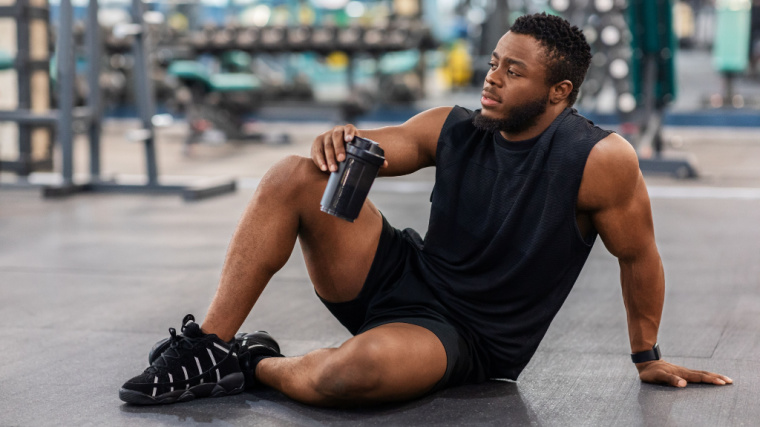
<point x="647" y="356"/>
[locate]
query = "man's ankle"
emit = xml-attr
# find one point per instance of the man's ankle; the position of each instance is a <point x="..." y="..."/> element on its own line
<point x="210" y="331"/>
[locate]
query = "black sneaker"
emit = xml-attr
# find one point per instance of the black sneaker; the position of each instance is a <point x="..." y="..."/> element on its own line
<point x="254" y="348"/>
<point x="186" y="366"/>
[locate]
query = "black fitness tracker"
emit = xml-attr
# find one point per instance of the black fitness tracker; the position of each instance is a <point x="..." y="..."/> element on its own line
<point x="647" y="356"/>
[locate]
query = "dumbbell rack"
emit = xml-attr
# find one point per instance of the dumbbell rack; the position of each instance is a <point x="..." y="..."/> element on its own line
<point x="145" y="107"/>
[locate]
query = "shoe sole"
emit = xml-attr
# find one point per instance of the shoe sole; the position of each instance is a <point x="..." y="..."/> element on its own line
<point x="229" y="385"/>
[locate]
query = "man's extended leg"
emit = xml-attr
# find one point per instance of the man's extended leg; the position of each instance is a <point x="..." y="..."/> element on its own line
<point x="395" y="361"/>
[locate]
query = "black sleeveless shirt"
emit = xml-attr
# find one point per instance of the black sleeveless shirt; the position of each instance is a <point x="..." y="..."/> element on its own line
<point x="503" y="248"/>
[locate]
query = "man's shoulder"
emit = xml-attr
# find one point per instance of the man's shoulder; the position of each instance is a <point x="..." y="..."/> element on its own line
<point x="611" y="172"/>
<point x="441" y="120"/>
<point x="579" y="121"/>
<point x="446" y="117"/>
<point x="459" y="120"/>
<point x="613" y="151"/>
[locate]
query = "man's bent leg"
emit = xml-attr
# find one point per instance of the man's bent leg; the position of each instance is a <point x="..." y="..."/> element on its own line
<point x="286" y="205"/>
<point x="392" y="362"/>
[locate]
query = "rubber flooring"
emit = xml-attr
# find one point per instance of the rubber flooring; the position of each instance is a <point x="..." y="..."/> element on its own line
<point x="89" y="283"/>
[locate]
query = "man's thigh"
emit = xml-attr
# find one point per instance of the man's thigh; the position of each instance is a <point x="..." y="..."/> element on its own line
<point x="404" y="360"/>
<point x="339" y="253"/>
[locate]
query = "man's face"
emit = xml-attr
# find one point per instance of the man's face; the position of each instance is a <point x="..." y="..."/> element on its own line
<point x="515" y="93"/>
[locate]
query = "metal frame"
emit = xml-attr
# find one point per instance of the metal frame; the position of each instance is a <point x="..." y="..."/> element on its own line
<point x="22" y="12"/>
<point x="652" y="131"/>
<point x="145" y="106"/>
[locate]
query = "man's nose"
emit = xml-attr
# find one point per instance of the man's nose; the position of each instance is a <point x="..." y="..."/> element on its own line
<point x="493" y="80"/>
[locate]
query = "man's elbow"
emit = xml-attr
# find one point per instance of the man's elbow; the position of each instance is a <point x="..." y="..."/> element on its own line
<point x="637" y="255"/>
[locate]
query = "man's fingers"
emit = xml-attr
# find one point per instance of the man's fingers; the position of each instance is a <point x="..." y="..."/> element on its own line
<point x="696" y="376"/>
<point x="349" y="131"/>
<point x="676" y="381"/>
<point x="330" y="153"/>
<point x="713" y="378"/>
<point x="318" y="156"/>
<point x="664" y="372"/>
<point x="667" y="378"/>
<point x="330" y="148"/>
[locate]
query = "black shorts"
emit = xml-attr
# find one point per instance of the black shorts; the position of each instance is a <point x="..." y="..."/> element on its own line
<point x="394" y="293"/>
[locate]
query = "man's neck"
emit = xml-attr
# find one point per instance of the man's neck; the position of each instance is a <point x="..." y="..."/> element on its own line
<point x="546" y="119"/>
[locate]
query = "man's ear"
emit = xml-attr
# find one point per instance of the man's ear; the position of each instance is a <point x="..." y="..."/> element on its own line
<point x="560" y="91"/>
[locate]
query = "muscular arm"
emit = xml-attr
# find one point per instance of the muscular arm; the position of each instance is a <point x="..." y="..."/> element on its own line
<point x="614" y="194"/>
<point x="408" y="147"/>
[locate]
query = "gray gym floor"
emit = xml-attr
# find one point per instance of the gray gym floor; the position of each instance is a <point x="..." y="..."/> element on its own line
<point x="89" y="283"/>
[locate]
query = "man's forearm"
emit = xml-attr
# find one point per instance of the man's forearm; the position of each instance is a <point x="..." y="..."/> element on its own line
<point x="643" y="283"/>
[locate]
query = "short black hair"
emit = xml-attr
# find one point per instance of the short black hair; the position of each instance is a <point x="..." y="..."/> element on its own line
<point x="569" y="54"/>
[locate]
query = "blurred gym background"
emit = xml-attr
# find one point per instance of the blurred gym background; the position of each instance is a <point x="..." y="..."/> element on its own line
<point x="78" y="77"/>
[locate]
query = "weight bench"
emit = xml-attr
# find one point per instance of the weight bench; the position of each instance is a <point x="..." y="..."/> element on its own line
<point x="222" y="99"/>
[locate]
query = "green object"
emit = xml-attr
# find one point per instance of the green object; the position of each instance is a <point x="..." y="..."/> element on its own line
<point x="651" y="25"/>
<point x="732" y="35"/>
<point x="234" y="82"/>
<point x="223" y="82"/>
<point x="236" y="61"/>
<point x="6" y="60"/>
<point x="399" y="62"/>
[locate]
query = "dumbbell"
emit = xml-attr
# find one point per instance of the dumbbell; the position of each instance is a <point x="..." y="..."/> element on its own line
<point x="224" y="37"/>
<point x="201" y="40"/>
<point x="273" y="39"/>
<point x="323" y="39"/>
<point x="374" y="39"/>
<point x="248" y="38"/>
<point x="299" y="38"/>
<point x="350" y="38"/>
<point x="397" y="36"/>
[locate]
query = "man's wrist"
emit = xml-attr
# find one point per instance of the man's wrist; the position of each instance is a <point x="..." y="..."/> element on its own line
<point x="648" y="355"/>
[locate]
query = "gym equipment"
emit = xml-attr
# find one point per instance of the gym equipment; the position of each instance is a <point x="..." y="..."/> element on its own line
<point x="200" y="85"/>
<point x="6" y="60"/>
<point x="27" y="114"/>
<point x="221" y="99"/>
<point x="145" y="106"/>
<point x="299" y="38"/>
<point x="732" y="37"/>
<point x="323" y="39"/>
<point x="653" y="46"/>
<point x="273" y="39"/>
<point x="248" y="38"/>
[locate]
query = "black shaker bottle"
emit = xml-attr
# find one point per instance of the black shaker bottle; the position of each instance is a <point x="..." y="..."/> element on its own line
<point x="347" y="188"/>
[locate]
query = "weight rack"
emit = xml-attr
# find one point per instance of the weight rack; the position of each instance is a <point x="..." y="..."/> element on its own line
<point x="65" y="116"/>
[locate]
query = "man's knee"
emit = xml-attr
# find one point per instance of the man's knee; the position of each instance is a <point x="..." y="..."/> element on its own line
<point x="352" y="373"/>
<point x="290" y="175"/>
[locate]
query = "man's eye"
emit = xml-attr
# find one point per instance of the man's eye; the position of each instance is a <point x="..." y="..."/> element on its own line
<point x="511" y="72"/>
<point x="491" y="64"/>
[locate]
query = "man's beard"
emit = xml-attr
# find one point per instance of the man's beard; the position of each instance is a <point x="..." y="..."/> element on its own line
<point x="519" y="118"/>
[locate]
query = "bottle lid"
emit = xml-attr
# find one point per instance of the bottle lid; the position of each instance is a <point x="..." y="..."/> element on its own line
<point x="367" y="149"/>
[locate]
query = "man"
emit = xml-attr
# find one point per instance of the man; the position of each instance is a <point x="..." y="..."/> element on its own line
<point x="523" y="187"/>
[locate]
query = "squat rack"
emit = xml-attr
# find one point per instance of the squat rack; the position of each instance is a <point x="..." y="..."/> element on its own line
<point x="23" y="12"/>
<point x="65" y="116"/>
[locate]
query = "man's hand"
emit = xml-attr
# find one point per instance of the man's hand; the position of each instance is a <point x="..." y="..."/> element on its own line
<point x="662" y="372"/>
<point x="329" y="148"/>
